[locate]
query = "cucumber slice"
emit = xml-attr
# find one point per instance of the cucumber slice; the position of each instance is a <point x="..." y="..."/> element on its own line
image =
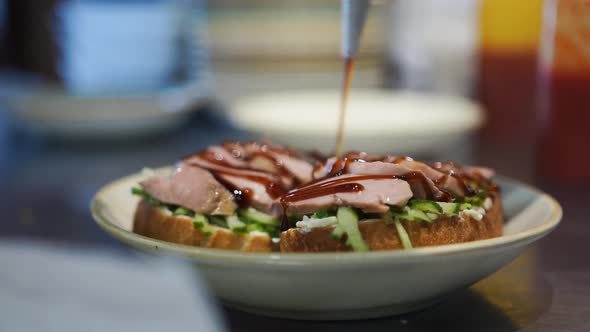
<point x="449" y="208"/>
<point x="474" y="200"/>
<point x="389" y="217"/>
<point x="200" y="220"/>
<point x="204" y="227"/>
<point x="256" y="216"/>
<point x="477" y="199"/>
<point x="403" y="235"/>
<point x="417" y="215"/>
<point x="320" y="214"/>
<point x="432" y="216"/>
<point x="255" y="228"/>
<point x="218" y="221"/>
<point x="465" y="206"/>
<point x="234" y="224"/>
<point x="199" y="217"/>
<point x="180" y="211"/>
<point x="410" y="214"/>
<point x="425" y="206"/>
<point x="338" y="232"/>
<point x="138" y="191"/>
<point x="274" y="233"/>
<point x="348" y="220"/>
<point x="147" y="197"/>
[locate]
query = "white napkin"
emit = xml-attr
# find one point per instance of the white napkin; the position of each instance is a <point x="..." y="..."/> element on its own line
<point x="48" y="288"/>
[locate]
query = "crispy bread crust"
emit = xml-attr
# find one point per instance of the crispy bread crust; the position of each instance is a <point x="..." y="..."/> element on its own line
<point x="152" y="222"/>
<point x="382" y="236"/>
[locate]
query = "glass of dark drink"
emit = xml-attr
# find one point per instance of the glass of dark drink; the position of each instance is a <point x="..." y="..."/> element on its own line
<point x="563" y="98"/>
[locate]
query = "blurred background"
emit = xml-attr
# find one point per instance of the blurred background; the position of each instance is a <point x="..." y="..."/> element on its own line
<point x="461" y="80"/>
<point x="93" y="90"/>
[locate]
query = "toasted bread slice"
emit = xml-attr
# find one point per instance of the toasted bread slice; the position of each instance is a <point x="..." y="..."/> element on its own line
<point x="382" y="236"/>
<point x="153" y="222"/>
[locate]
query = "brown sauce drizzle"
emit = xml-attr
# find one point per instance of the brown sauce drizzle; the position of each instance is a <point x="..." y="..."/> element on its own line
<point x="461" y="181"/>
<point x="243" y="197"/>
<point x="418" y="178"/>
<point x="271" y="183"/>
<point x="266" y="151"/>
<point x="331" y="186"/>
<point x="348" y="70"/>
<point x="339" y="167"/>
<point x="398" y="160"/>
<point x="441" y="180"/>
<point x="277" y="163"/>
<point x="458" y="173"/>
<point x="259" y="147"/>
<point x="334" y="185"/>
<point x="219" y="167"/>
<point x="331" y="183"/>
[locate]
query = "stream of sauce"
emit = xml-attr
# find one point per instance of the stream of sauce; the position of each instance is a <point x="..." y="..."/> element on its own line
<point x="348" y="70"/>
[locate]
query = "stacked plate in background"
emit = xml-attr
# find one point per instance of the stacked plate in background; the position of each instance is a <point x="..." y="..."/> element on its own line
<point x="126" y="68"/>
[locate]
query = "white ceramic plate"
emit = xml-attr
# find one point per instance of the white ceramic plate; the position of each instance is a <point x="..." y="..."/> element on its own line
<point x="378" y="121"/>
<point x="51" y="111"/>
<point x="344" y="285"/>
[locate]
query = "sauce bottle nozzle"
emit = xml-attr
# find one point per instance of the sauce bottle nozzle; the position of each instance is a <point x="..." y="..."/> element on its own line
<point x="354" y="15"/>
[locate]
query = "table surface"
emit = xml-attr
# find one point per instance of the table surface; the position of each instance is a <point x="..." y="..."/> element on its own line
<point x="46" y="186"/>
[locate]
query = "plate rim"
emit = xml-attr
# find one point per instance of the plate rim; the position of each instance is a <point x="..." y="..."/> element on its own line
<point x="209" y="255"/>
